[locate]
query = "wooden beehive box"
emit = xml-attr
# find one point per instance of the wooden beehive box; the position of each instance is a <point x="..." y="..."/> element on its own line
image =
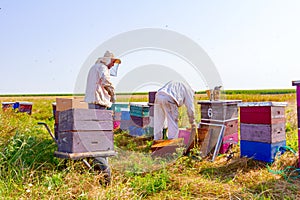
<point x="140" y="121"/>
<point x="70" y="103"/>
<point x="219" y="110"/>
<point x="262" y="112"/>
<point x="84" y="130"/>
<point x="139" y="109"/>
<point x="85" y="141"/>
<point x="261" y="151"/>
<point x="269" y="133"/>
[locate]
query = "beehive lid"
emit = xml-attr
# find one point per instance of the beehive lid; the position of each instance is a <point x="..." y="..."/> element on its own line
<point x="267" y="103"/>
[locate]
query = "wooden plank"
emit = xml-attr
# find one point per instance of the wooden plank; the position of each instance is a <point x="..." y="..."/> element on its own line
<point x="76" y="156"/>
<point x="231" y="125"/>
<point x="79" y="142"/>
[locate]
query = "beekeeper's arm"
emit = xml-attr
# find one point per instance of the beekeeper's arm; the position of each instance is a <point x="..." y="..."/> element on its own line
<point x="108" y="86"/>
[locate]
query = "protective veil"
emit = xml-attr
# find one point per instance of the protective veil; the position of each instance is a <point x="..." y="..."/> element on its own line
<point x="167" y="100"/>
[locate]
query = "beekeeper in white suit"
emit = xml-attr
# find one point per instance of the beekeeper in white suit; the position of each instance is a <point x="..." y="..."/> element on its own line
<point x="167" y="100"/>
<point x="100" y="92"/>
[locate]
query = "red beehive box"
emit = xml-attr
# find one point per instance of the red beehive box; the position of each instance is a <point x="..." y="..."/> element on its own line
<point x="262" y="112"/>
<point x="7" y="105"/>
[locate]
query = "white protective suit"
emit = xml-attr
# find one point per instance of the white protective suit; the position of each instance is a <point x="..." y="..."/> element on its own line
<point x="167" y="100"/>
<point x="99" y="89"/>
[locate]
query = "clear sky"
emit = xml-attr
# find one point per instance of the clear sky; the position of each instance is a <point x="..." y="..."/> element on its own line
<point x="254" y="44"/>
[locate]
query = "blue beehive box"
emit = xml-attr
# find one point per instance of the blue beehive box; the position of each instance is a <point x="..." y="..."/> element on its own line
<point x="139" y="131"/>
<point x="139" y="109"/>
<point x="260" y="150"/>
<point x="125" y="115"/>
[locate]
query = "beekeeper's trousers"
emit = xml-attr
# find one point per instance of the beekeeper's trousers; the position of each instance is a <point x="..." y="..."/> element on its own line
<point x="165" y="116"/>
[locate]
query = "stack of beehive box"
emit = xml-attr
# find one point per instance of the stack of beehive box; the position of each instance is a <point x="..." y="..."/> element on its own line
<point x="25" y="107"/>
<point x="262" y="129"/>
<point x="214" y="115"/>
<point x="117" y="109"/>
<point x="82" y="130"/>
<point x="139" y="114"/>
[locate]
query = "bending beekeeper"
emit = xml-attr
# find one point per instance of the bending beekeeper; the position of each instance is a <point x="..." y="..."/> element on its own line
<point x="100" y="92"/>
<point x="167" y="101"/>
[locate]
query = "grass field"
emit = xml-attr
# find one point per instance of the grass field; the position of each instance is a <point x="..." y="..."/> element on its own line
<point x="28" y="169"/>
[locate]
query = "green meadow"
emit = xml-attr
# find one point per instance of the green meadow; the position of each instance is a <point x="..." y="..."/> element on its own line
<point x="29" y="170"/>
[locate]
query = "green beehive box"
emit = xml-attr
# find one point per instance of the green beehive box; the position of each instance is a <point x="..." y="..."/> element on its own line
<point x="117" y="107"/>
<point x="139" y="109"/>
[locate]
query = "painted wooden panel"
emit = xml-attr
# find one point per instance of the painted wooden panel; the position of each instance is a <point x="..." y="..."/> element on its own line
<point x="85" y="126"/>
<point x="263" y="132"/>
<point x="68" y="103"/>
<point x="151" y="96"/>
<point x="227" y="140"/>
<point x="125" y="115"/>
<point x="125" y="124"/>
<point x="219" y="110"/>
<point x="140" y="121"/>
<point x="117" y="115"/>
<point x="79" y="142"/>
<point x="261" y="151"/>
<point x="25" y="107"/>
<point x="139" y="109"/>
<point x="71" y="115"/>
<point x="119" y="106"/>
<point x="262" y="114"/>
<point x="185" y="134"/>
